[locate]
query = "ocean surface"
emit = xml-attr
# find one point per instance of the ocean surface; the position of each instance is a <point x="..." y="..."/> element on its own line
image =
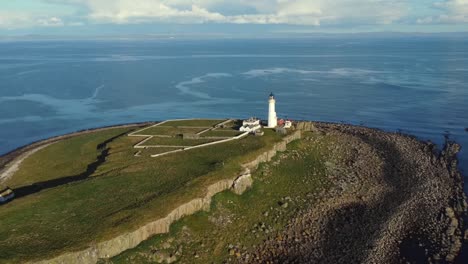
<point x="416" y="85"/>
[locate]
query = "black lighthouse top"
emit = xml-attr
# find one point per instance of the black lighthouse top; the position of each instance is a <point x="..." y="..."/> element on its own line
<point x="272" y="95"/>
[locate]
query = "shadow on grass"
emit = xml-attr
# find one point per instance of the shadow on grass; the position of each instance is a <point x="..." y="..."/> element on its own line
<point x="24" y="191"/>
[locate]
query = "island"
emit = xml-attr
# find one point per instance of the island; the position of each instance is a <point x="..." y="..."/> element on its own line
<point x="232" y="191"/>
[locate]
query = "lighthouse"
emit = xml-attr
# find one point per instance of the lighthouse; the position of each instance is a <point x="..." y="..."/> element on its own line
<point x="272" y="119"/>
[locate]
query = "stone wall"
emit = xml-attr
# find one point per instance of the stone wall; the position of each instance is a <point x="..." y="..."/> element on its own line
<point x="306" y="126"/>
<point x="130" y="240"/>
<point x="267" y="156"/>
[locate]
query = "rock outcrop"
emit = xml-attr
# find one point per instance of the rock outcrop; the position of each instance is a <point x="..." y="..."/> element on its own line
<point x="242" y="183"/>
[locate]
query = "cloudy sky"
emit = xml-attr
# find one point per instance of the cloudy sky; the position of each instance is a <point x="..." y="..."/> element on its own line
<point x="81" y="17"/>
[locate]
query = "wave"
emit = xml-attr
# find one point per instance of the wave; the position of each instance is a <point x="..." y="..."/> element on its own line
<point x="87" y="108"/>
<point x="434" y="83"/>
<point x="96" y="92"/>
<point x="184" y="87"/>
<point x="63" y="107"/>
<point x="29" y="118"/>
<point x="8" y="66"/>
<point x="353" y="72"/>
<point x="129" y="57"/>
<point x="336" y="71"/>
<point x="271" y="71"/>
<point x="27" y="72"/>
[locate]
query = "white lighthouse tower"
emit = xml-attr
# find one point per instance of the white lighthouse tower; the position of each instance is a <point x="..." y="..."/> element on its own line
<point x="272" y="119"/>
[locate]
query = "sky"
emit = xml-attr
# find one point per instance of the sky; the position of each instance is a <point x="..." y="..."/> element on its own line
<point x="229" y="17"/>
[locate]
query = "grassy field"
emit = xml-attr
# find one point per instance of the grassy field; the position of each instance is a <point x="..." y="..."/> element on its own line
<point x="177" y="141"/>
<point x="121" y="194"/>
<point x="159" y="150"/>
<point x="169" y="131"/>
<point x="63" y="159"/>
<point x="221" y="133"/>
<point x="195" y="122"/>
<point x="239" y="222"/>
<point x="234" y="124"/>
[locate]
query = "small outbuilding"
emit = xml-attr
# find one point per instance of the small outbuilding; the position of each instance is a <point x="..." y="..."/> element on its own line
<point x="251" y="128"/>
<point x="251" y="122"/>
<point x="6" y="195"/>
<point x="250" y="125"/>
<point x="284" y="123"/>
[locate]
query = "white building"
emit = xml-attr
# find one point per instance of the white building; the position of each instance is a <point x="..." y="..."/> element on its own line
<point x="251" y="122"/>
<point x="272" y="118"/>
<point x="250" y="128"/>
<point x="287" y="124"/>
<point x="250" y="125"/>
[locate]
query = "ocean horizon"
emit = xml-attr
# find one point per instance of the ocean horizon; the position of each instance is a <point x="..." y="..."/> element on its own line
<point x="414" y="85"/>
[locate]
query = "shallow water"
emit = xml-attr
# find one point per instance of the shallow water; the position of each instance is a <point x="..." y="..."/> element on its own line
<point x="414" y="85"/>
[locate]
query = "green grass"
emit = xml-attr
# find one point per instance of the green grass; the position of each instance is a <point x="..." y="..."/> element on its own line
<point x="234" y="220"/>
<point x="154" y="151"/>
<point x="124" y="193"/>
<point x="177" y="141"/>
<point x="234" y="124"/>
<point x="64" y="158"/>
<point x="221" y="133"/>
<point x="195" y="122"/>
<point x="169" y="131"/>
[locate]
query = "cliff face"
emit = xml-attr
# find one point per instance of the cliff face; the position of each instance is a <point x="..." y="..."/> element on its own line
<point x="267" y="156"/>
<point x="130" y="240"/>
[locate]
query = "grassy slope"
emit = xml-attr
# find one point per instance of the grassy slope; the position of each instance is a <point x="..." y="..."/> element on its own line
<point x="169" y="130"/>
<point x="61" y="158"/>
<point x="177" y="141"/>
<point x="236" y="220"/>
<point x="123" y="193"/>
<point x="221" y="133"/>
<point x="195" y="123"/>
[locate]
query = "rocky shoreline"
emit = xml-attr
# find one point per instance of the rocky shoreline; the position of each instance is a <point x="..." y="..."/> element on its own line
<point x="394" y="200"/>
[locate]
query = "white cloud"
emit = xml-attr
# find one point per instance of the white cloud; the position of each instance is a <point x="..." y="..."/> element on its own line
<point x="127" y="11"/>
<point x="50" y="22"/>
<point x="295" y="12"/>
<point x="75" y="24"/>
<point x="13" y="20"/>
<point x="425" y="20"/>
<point x="454" y="11"/>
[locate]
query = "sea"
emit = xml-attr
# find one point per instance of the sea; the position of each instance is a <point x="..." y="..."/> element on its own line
<point x="410" y="84"/>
